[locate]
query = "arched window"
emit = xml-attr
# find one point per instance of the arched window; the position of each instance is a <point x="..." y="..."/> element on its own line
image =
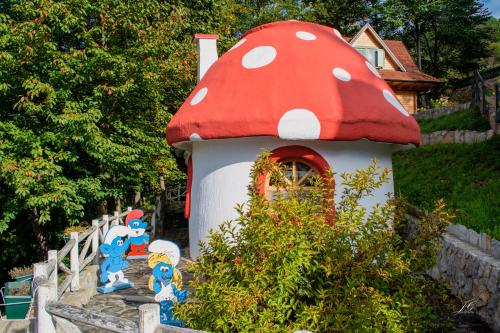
<point x="301" y="164"/>
<point x="298" y="174"/>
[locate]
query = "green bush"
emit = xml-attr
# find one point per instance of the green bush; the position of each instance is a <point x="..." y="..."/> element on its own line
<point x="293" y="263"/>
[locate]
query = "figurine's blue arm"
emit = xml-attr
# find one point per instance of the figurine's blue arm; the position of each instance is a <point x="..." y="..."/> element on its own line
<point x="157" y="286"/>
<point x="104" y="270"/>
<point x="180" y="294"/>
<point x="124" y="264"/>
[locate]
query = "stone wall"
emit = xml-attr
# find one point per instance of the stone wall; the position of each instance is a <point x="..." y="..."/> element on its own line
<point x="434" y="113"/>
<point x="470" y="263"/>
<point x="458" y="136"/>
<point x="473" y="275"/>
<point x="88" y="285"/>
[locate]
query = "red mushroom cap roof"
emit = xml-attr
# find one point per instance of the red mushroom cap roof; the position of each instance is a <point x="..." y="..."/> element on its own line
<point x="293" y="80"/>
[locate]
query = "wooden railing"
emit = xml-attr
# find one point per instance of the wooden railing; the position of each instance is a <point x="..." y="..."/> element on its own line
<point x="46" y="286"/>
<point x="149" y="320"/>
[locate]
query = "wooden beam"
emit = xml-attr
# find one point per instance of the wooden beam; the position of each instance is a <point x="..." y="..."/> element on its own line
<point x="107" y="322"/>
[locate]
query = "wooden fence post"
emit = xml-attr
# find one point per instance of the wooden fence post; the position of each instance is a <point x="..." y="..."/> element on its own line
<point x="149" y="317"/>
<point x="95" y="241"/>
<point x="153" y="222"/>
<point x="105" y="227"/>
<point x="116" y="216"/>
<point x="129" y="209"/>
<point x="52" y="257"/>
<point x="74" y="264"/>
<point x="43" y="293"/>
<point x="39" y="271"/>
<point x="43" y="321"/>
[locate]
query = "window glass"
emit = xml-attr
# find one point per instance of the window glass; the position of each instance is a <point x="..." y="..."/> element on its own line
<point x="298" y="174"/>
<point x="369" y="54"/>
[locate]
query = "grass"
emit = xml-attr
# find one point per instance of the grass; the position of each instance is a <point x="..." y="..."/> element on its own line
<point x="466" y="176"/>
<point x="468" y="119"/>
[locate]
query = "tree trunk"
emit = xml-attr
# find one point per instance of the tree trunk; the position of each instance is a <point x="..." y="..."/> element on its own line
<point x="137" y="197"/>
<point x="118" y="205"/>
<point x="419" y="46"/>
<point x="37" y="230"/>
<point x="102" y="208"/>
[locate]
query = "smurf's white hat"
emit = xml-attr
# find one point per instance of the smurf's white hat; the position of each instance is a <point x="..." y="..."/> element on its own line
<point x="171" y="250"/>
<point x="116" y="231"/>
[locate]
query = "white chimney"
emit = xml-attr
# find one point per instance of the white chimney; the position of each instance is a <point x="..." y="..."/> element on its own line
<point x="207" y="52"/>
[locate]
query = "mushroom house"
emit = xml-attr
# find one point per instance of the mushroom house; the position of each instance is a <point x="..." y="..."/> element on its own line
<point x="296" y="89"/>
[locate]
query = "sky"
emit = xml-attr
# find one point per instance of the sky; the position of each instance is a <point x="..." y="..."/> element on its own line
<point x="493" y="6"/>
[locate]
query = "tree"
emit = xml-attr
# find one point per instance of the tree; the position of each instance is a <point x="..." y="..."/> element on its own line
<point x="448" y="37"/>
<point x="493" y="25"/>
<point x="87" y="88"/>
<point x="345" y="15"/>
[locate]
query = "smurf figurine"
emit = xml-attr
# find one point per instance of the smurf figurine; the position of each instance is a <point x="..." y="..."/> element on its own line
<point x="137" y="236"/>
<point x="166" y="280"/>
<point x="112" y="267"/>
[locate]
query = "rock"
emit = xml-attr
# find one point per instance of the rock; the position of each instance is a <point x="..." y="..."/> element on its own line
<point x="493" y="280"/>
<point x="480" y="293"/>
<point x="448" y="137"/>
<point x="495" y="248"/>
<point x="469" y="137"/>
<point x="473" y="238"/>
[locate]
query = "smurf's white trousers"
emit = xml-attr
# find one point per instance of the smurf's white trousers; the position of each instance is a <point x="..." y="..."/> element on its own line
<point x="113" y="278"/>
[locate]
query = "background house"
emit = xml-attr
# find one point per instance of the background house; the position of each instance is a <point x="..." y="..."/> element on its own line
<point x="395" y="64"/>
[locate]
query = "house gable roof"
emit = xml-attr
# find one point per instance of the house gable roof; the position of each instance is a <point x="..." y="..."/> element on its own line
<point x="401" y="56"/>
<point x="413" y="73"/>
<point x="369" y="28"/>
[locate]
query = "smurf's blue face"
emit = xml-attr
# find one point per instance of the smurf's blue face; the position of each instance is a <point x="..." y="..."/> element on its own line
<point x="116" y="248"/>
<point x="137" y="224"/>
<point x="163" y="272"/>
<point x="137" y="227"/>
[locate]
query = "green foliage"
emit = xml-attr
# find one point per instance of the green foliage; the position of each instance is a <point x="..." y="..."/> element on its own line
<point x="468" y="119"/>
<point x="493" y="25"/>
<point x="87" y="88"/>
<point x="345" y="15"/>
<point x="280" y="266"/>
<point x="466" y="176"/>
<point x="452" y="33"/>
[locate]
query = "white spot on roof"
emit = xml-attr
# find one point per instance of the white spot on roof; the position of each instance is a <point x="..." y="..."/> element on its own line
<point x="195" y="137"/>
<point x="299" y="124"/>
<point x="372" y="69"/>
<point x="199" y="96"/>
<point x="341" y="74"/>
<point x="389" y="97"/>
<point x="241" y="42"/>
<point x="339" y="35"/>
<point x="259" y="57"/>
<point x="305" y="35"/>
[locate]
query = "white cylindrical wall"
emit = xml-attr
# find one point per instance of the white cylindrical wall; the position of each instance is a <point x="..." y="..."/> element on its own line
<point x="221" y="174"/>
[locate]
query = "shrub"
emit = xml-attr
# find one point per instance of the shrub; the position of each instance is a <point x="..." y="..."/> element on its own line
<point x="20" y="271"/>
<point x="289" y="264"/>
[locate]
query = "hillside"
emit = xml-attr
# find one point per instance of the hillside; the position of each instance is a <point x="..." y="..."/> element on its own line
<point x="466" y="176"/>
<point x="468" y="119"/>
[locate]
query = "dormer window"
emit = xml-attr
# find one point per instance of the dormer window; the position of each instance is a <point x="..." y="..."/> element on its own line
<point x="375" y="56"/>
